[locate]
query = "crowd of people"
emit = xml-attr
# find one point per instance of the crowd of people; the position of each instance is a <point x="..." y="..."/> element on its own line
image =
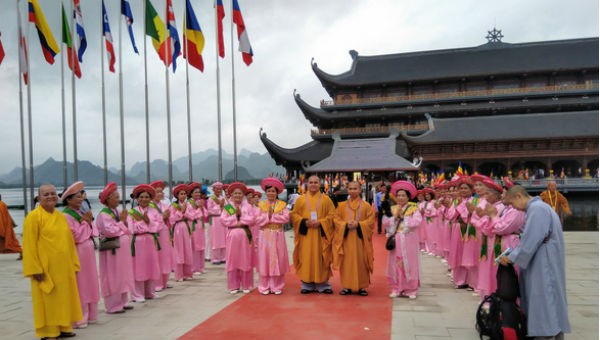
<point x="467" y="223"/>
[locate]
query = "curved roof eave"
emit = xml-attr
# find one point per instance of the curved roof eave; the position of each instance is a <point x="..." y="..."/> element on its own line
<point x="313" y="114"/>
<point x="509" y="127"/>
<point x="478" y="61"/>
<point x="311" y="151"/>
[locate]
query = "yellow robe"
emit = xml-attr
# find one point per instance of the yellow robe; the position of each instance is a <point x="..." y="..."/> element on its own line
<point x="49" y="248"/>
<point x="353" y="256"/>
<point x="312" y="252"/>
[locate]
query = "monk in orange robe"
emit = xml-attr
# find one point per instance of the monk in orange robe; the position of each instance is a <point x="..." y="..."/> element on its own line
<point x="312" y="219"/>
<point x="557" y="201"/>
<point x="353" y="242"/>
<point x="8" y="240"/>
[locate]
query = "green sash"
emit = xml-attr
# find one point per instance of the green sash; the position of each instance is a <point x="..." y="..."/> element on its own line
<point x="72" y="213"/>
<point x="114" y="217"/>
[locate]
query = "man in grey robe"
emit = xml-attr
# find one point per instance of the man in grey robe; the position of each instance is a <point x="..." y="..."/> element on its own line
<point x="541" y="259"/>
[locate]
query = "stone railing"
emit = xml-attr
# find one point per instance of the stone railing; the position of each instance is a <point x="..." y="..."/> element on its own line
<point x="563" y="184"/>
<point x="462" y="94"/>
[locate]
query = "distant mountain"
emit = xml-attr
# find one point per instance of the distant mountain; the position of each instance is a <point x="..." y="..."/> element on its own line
<point x="251" y="165"/>
<point x="243" y="175"/>
<point x="257" y="166"/>
<point x="159" y="169"/>
<point x="51" y="171"/>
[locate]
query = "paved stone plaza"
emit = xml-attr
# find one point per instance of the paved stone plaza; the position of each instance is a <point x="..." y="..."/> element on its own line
<point x="440" y="312"/>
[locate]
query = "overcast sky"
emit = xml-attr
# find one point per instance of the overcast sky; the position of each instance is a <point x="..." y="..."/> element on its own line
<point x="284" y="34"/>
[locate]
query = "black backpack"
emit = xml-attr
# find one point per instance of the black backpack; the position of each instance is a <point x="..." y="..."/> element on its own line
<point x="498" y="315"/>
<point x="500" y="320"/>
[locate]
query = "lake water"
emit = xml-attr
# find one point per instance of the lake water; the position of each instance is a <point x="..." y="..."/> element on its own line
<point x="583" y="205"/>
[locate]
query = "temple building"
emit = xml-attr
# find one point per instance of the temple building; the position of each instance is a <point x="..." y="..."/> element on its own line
<point x="498" y="108"/>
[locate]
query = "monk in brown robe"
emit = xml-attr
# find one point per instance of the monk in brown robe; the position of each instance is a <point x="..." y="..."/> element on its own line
<point x="353" y="242"/>
<point x="312" y="219"/>
<point x="557" y="201"/>
<point x="8" y="239"/>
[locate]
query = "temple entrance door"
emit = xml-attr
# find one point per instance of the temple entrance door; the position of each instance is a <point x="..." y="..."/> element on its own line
<point x="568" y="168"/>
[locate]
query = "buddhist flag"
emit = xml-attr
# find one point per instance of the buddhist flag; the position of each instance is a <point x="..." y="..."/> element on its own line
<point x="23" y="62"/>
<point x="126" y="12"/>
<point x="79" y="29"/>
<point x="2" y="54"/>
<point x="49" y="46"/>
<point x="155" y="28"/>
<point x="110" y="50"/>
<point x="66" y="38"/>
<point x="245" y="47"/>
<point x="220" y="16"/>
<point x="460" y="171"/>
<point x="193" y="39"/>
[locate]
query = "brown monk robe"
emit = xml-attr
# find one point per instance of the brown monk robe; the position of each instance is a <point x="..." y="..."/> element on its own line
<point x="8" y="240"/>
<point x="557" y="201"/>
<point x="353" y="242"/>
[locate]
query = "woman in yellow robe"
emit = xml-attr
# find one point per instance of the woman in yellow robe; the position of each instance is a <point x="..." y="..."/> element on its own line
<point x="50" y="260"/>
<point x="353" y="242"/>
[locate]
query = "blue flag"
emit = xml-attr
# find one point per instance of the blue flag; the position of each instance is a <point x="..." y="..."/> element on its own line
<point x="126" y="11"/>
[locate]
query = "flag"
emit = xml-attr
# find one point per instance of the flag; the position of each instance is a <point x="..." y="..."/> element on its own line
<point x="23" y="62"/>
<point x="66" y="38"/>
<point x="79" y="29"/>
<point x="108" y="40"/>
<point x="126" y="11"/>
<point x="49" y="46"/>
<point x="460" y="171"/>
<point x="155" y="28"/>
<point x="245" y="47"/>
<point x="220" y="16"/>
<point x="1" y="50"/>
<point x="193" y="39"/>
<point x="173" y="36"/>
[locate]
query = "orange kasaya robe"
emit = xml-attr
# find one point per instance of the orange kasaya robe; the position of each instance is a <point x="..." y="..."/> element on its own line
<point x="8" y="240"/>
<point x="353" y="249"/>
<point x="312" y="246"/>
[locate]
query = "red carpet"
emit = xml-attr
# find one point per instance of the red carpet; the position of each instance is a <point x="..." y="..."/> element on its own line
<point x="312" y="316"/>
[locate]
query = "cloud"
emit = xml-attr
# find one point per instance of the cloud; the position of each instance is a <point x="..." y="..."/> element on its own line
<point x="285" y="35"/>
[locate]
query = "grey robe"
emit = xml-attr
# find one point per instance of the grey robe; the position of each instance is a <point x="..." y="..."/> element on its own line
<point x="542" y="271"/>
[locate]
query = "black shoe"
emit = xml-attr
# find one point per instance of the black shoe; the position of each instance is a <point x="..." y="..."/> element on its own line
<point x="305" y="291"/>
<point x="67" y="334"/>
<point x="362" y="292"/>
<point x="462" y="287"/>
<point x="128" y="307"/>
<point x="117" y="312"/>
<point x="345" y="291"/>
<point x="327" y="291"/>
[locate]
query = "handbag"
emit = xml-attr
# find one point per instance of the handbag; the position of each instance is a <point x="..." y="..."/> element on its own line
<point x="390" y="244"/>
<point x="109" y="243"/>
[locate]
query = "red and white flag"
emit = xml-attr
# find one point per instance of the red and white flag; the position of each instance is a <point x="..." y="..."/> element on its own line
<point x="110" y="50"/>
<point x="1" y="50"/>
<point x="245" y="47"/>
<point x="23" y="62"/>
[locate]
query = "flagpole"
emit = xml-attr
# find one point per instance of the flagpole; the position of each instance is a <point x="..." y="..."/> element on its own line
<point x="122" y="118"/>
<point x="146" y="114"/>
<point x="30" y="128"/>
<point x="187" y="93"/>
<point x="64" y="114"/>
<point x="235" y="167"/>
<point x="220" y="163"/>
<point x="22" y="124"/>
<point x="104" y="152"/>
<point x="168" y="98"/>
<point x="74" y="95"/>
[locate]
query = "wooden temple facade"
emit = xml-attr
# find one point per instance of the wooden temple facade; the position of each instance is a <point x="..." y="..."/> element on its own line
<point x="495" y="108"/>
